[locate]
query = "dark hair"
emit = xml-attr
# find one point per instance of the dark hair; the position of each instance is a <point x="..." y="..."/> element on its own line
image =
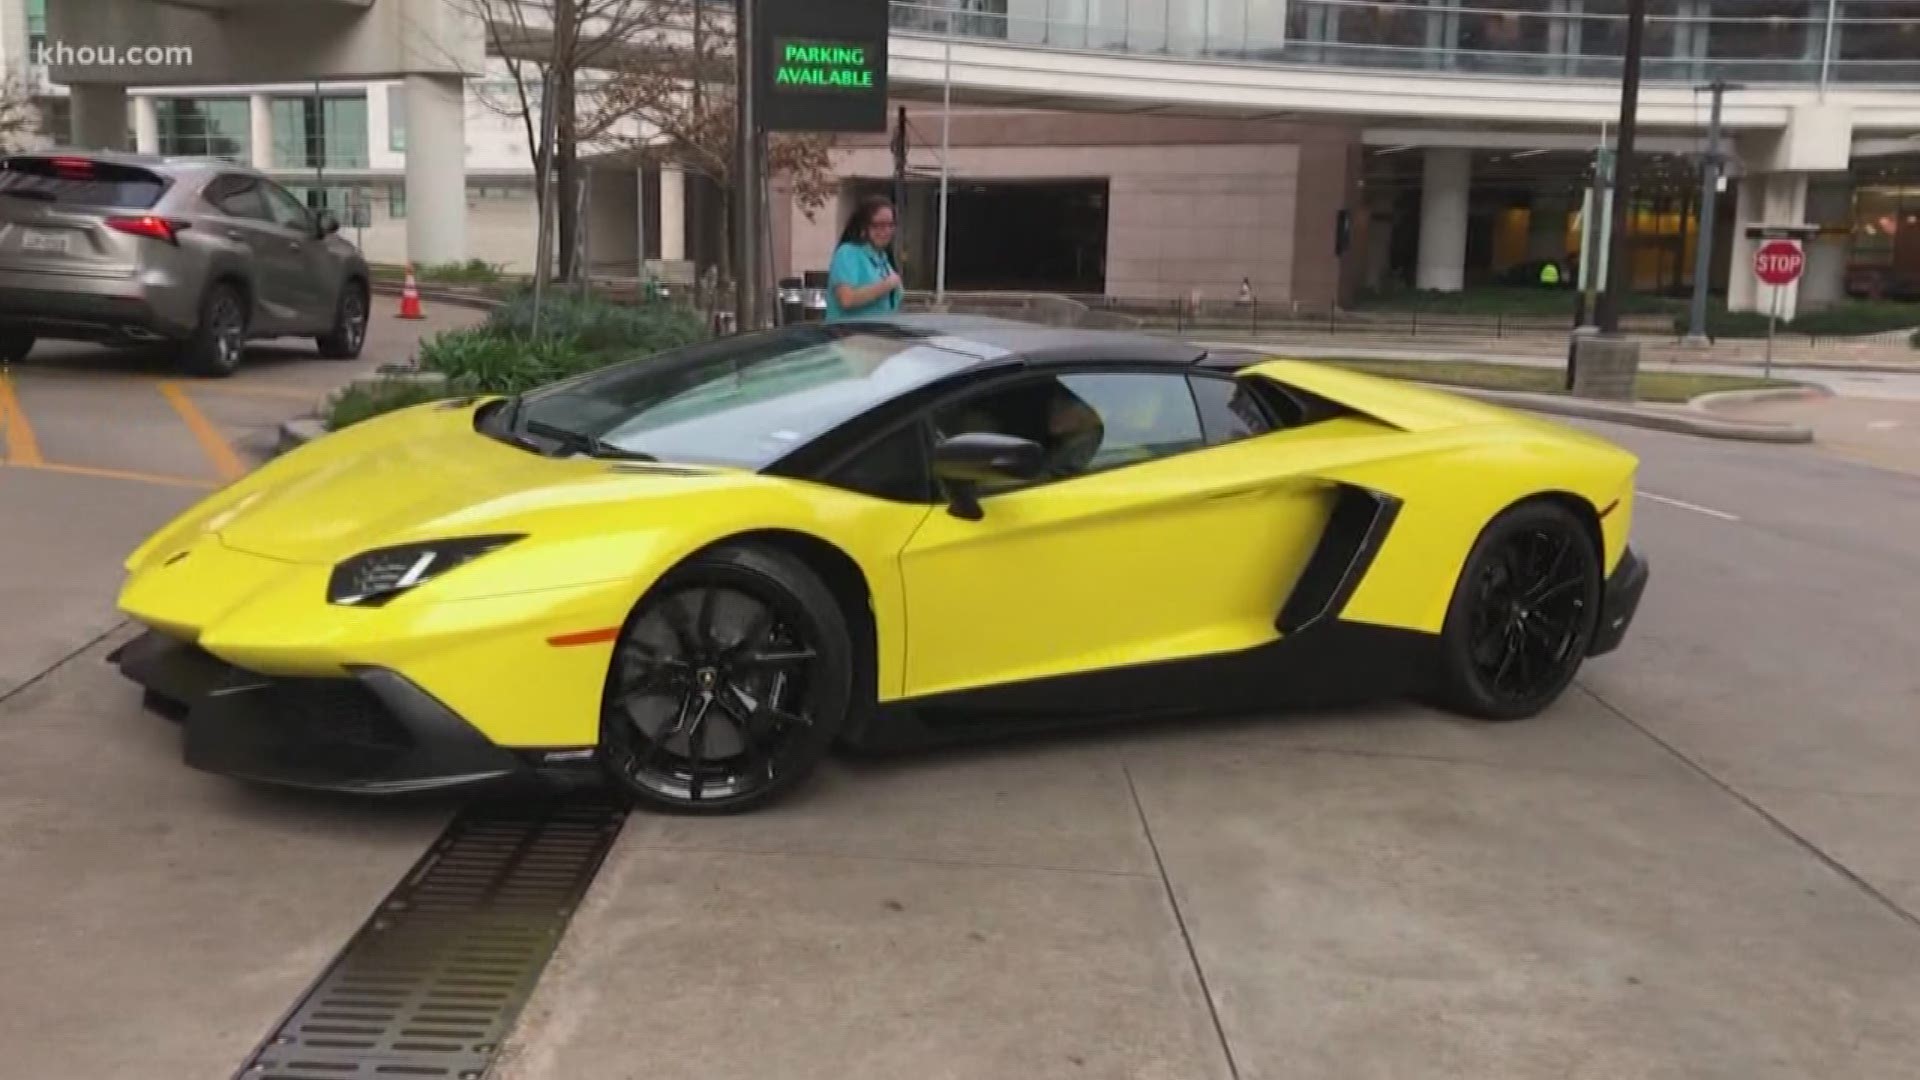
<point x="856" y="230"/>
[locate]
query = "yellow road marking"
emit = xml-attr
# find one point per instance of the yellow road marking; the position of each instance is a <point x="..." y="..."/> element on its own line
<point x="117" y="474"/>
<point x="21" y="447"/>
<point x="218" y="450"/>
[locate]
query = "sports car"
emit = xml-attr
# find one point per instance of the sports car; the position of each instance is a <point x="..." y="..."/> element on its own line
<point x="694" y="574"/>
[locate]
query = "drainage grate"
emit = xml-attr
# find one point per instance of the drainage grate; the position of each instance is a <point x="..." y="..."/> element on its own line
<point x="433" y="982"/>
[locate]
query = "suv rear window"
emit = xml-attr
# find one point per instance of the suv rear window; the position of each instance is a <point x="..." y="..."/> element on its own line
<point x="79" y="181"/>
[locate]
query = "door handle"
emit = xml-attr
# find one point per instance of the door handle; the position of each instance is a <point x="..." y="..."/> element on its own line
<point x="236" y="234"/>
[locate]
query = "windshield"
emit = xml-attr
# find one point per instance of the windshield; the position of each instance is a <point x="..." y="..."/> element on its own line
<point x="78" y="181"/>
<point x="739" y="402"/>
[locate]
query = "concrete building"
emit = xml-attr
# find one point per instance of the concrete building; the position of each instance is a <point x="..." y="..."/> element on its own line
<point x="1121" y="147"/>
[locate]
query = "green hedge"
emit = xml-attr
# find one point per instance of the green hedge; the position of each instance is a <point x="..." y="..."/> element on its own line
<point x="500" y="356"/>
<point x="1846" y="319"/>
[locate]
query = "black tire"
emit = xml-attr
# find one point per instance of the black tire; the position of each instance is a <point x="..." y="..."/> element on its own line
<point x="15" y="345"/>
<point x="746" y="653"/>
<point x="349" y="333"/>
<point x="1522" y="616"/>
<point x="219" y="343"/>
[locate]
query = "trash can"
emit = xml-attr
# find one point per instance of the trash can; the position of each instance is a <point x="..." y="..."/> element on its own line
<point x="793" y="301"/>
<point x="815" y="284"/>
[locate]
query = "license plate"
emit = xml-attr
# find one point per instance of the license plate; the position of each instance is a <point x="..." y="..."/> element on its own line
<point x="44" y="240"/>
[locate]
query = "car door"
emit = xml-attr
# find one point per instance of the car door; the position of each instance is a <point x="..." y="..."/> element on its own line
<point x="1158" y="535"/>
<point x="246" y="217"/>
<point x="312" y="270"/>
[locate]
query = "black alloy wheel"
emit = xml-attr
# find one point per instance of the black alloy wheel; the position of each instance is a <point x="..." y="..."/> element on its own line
<point x="220" y="341"/>
<point x="728" y="684"/>
<point x="1523" y="614"/>
<point x="349" y="332"/>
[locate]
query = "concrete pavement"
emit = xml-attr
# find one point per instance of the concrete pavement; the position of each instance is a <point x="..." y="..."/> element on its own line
<point x="1696" y="865"/>
<point x="100" y="447"/>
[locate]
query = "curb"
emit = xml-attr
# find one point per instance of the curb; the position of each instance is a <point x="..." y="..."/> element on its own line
<point x="1678" y="421"/>
<point x="295" y="434"/>
<point x="458" y="299"/>
<point x="1708" y="403"/>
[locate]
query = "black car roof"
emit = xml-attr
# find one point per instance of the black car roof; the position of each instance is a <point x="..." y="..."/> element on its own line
<point x="990" y="341"/>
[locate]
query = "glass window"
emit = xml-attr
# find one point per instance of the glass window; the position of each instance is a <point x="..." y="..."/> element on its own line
<point x="239" y="196"/>
<point x="204" y="127"/>
<point x="1230" y="409"/>
<point x="397" y="118"/>
<point x="287" y="211"/>
<point x="80" y="182"/>
<point x="328" y="132"/>
<point x="894" y="468"/>
<point x="1086" y="423"/>
<point x="36" y="27"/>
<point x="742" y="401"/>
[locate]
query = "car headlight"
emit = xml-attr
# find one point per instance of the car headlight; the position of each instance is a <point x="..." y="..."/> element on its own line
<point x="371" y="578"/>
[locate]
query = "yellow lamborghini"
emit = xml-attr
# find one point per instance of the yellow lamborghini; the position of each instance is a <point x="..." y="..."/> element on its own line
<point x="694" y="573"/>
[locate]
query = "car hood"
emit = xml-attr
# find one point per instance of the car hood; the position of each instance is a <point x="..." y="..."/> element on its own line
<point x="422" y="474"/>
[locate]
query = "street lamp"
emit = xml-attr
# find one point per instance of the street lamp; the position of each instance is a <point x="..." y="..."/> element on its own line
<point x="1710" y="176"/>
<point x="1607" y="311"/>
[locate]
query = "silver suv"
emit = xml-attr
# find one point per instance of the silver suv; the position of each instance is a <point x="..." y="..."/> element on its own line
<point x="125" y="248"/>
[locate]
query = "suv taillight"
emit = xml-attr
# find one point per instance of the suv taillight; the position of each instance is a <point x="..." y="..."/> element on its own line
<point x="158" y="228"/>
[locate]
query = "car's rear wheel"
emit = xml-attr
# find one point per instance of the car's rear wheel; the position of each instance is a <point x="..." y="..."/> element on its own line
<point x="349" y="330"/>
<point x="728" y="684"/>
<point x="1523" y="614"/>
<point x="219" y="342"/>
<point x="15" y="345"/>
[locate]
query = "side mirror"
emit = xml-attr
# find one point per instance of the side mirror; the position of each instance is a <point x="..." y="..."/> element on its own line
<point x="966" y="461"/>
<point x="326" y="224"/>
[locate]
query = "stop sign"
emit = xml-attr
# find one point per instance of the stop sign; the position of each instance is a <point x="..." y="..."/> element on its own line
<point x="1778" y="262"/>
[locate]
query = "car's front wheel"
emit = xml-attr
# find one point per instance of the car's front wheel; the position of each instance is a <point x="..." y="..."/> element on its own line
<point x="15" y="345"/>
<point x="1523" y="614"/>
<point x="349" y="331"/>
<point x="729" y="682"/>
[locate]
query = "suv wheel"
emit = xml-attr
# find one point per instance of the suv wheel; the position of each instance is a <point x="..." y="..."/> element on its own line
<point x="220" y="340"/>
<point x="15" y="345"/>
<point x="349" y="331"/>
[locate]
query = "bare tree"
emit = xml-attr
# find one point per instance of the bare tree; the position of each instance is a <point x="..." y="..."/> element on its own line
<point x="558" y="50"/>
<point x="22" y="123"/>
<point x="686" y="109"/>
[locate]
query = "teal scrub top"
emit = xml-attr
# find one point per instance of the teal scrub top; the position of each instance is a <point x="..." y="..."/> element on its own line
<point x="859" y="265"/>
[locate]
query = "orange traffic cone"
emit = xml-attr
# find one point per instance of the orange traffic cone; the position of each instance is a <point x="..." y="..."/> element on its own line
<point x="410" y="297"/>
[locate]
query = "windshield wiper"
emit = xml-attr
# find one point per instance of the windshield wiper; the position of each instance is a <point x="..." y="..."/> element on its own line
<point x="586" y="444"/>
<point x="30" y="193"/>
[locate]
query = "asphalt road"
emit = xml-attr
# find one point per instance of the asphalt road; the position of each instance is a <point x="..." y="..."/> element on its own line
<point x="1699" y="865"/>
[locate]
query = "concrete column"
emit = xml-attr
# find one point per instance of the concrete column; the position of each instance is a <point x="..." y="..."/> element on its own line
<point x="436" y="169"/>
<point x="1443" y="220"/>
<point x="673" y="214"/>
<point x="1764" y="199"/>
<point x="146" y="125"/>
<point x="260" y="129"/>
<point x="99" y="116"/>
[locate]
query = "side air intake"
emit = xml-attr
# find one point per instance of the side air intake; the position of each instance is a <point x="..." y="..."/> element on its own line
<point x="1355" y="530"/>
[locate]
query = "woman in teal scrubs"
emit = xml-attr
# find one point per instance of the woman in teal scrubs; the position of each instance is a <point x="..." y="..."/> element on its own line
<point x="861" y="280"/>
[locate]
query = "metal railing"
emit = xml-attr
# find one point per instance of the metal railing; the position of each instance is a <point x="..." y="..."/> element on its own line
<point x="1780" y="41"/>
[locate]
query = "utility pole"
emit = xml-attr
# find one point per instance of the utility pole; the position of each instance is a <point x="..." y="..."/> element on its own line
<point x="1710" y="174"/>
<point x="746" y="167"/>
<point x="899" y="184"/>
<point x="1607" y="317"/>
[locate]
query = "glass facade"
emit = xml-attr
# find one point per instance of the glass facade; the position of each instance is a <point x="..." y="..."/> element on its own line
<point x="36" y="27"/>
<point x="204" y="127"/>
<point x="320" y="133"/>
<point x="1799" y="41"/>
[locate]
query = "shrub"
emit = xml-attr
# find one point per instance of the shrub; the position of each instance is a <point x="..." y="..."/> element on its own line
<point x="486" y="361"/>
<point x="1859" y="317"/>
<point x="471" y="272"/>
<point x="365" y="401"/>
<point x="1915" y="339"/>
<point x="599" y="325"/>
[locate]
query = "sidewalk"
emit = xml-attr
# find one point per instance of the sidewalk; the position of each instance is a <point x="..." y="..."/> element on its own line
<point x="1552" y="348"/>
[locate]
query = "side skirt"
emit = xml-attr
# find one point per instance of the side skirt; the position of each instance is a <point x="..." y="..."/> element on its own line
<point x="1331" y="663"/>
